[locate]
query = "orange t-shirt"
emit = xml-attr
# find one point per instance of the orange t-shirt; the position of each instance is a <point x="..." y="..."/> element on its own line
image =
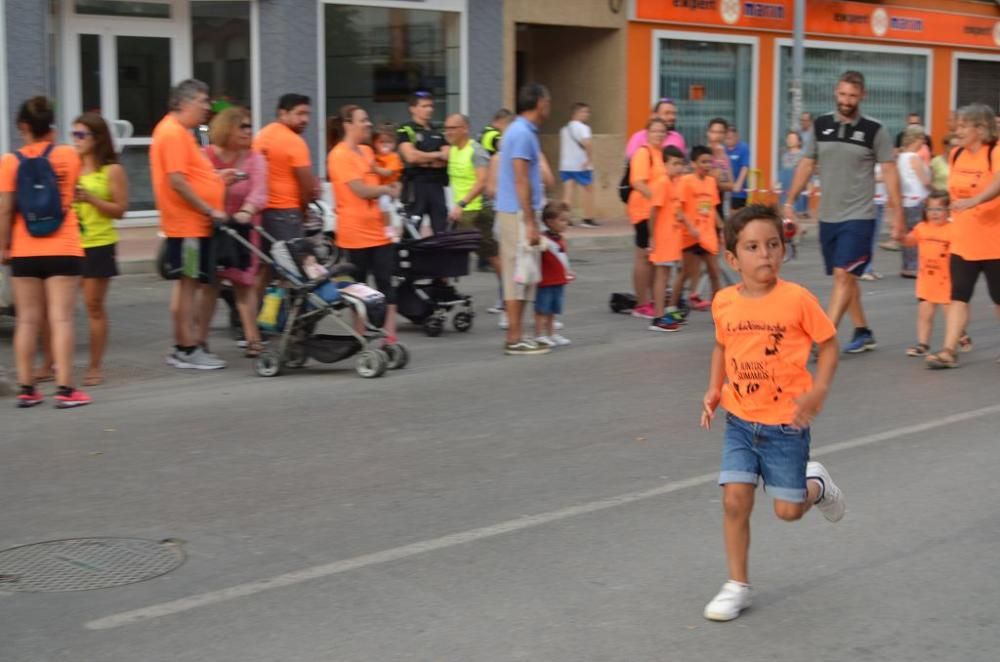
<point x="65" y="240"/>
<point x="390" y="161"/>
<point x="977" y="230"/>
<point x="668" y="231"/>
<point x="174" y="149"/>
<point x="646" y="165"/>
<point x="284" y="150"/>
<point x="700" y="197"/>
<point x="767" y="341"/>
<point x="359" y="221"/>
<point x="934" y="251"/>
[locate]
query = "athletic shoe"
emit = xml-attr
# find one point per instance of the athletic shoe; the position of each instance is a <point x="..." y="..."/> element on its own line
<point x="675" y="316"/>
<point x="863" y="341"/>
<point x="589" y="223"/>
<point x="503" y="322"/>
<point x="241" y="340"/>
<point x="198" y="359"/>
<point x="871" y="275"/>
<point x="560" y="340"/>
<point x="831" y="504"/>
<point x="664" y="324"/>
<point x="75" y="398"/>
<point x="25" y="400"/>
<point x="908" y="274"/>
<point x="700" y="304"/>
<point x="891" y="245"/>
<point x="495" y="309"/>
<point x="545" y="341"/>
<point x="645" y="311"/>
<point x="557" y="325"/>
<point x="731" y="600"/>
<point x="525" y="348"/>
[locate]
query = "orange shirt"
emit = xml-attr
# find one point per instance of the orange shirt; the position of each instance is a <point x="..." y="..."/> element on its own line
<point x="174" y="149"/>
<point x="359" y="221"/>
<point x="700" y="196"/>
<point x="934" y="251"/>
<point x="977" y="230"/>
<point x="65" y="240"/>
<point x="284" y="150"/>
<point x="767" y="341"/>
<point x="646" y="166"/>
<point x="668" y="231"/>
<point x="390" y="161"/>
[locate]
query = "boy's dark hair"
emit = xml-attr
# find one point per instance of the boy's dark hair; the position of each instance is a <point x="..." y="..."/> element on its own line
<point x="718" y="120"/>
<point x="937" y="194"/>
<point x="698" y="151"/>
<point x="530" y="96"/>
<point x="673" y="152"/>
<point x="553" y="209"/>
<point x="386" y="130"/>
<point x="736" y="222"/>
<point x="291" y="100"/>
<point x="854" y="78"/>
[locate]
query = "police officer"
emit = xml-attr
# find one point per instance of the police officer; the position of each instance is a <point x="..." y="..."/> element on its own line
<point x="425" y="155"/>
<point x="490" y="136"/>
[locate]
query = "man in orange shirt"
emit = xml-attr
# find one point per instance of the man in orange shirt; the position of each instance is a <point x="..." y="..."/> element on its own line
<point x="189" y="196"/>
<point x="291" y="185"/>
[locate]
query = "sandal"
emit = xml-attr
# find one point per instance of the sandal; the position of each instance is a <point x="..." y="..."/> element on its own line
<point x="965" y="343"/>
<point x="944" y="359"/>
<point x="254" y="350"/>
<point x="920" y="349"/>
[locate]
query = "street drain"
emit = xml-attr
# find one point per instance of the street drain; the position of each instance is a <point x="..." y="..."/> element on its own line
<point x="84" y="564"/>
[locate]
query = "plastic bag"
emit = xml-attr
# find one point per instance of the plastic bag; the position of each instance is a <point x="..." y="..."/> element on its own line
<point x="527" y="270"/>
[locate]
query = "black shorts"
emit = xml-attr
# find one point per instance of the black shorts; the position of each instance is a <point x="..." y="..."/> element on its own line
<point x="282" y="224"/>
<point x="100" y="261"/>
<point x="202" y="268"/>
<point x="965" y="273"/>
<point x="641" y="234"/>
<point x="46" y="266"/>
<point x="696" y="249"/>
<point x="377" y="262"/>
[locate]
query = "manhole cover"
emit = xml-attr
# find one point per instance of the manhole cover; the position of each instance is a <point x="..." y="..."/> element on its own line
<point x="82" y="564"/>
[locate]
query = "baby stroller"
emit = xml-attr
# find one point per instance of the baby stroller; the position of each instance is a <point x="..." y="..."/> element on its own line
<point x="424" y="294"/>
<point x="305" y="302"/>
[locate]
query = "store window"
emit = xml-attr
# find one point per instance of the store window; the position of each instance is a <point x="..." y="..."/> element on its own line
<point x="376" y="57"/>
<point x="707" y="79"/>
<point x="220" y="39"/>
<point x="896" y="84"/>
<point x="977" y="83"/>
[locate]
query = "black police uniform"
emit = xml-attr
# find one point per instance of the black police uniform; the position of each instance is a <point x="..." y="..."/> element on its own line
<point x="423" y="187"/>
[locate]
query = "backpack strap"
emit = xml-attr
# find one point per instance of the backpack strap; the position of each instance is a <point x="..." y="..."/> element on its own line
<point x="48" y="150"/>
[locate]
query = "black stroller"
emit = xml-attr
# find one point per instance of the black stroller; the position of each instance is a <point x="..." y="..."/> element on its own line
<point x="424" y="267"/>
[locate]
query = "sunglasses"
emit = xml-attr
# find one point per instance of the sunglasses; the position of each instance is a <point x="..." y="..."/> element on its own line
<point x="246" y="127"/>
<point x="423" y="95"/>
<point x="80" y="135"/>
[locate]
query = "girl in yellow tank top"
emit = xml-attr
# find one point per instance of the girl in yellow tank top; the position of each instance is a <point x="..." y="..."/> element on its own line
<point x="96" y="227"/>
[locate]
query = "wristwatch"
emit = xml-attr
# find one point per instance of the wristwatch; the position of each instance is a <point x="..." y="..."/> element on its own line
<point x="462" y="203"/>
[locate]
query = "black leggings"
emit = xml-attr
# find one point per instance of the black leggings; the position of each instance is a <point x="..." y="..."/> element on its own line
<point x="377" y="262"/>
<point x="965" y="273"/>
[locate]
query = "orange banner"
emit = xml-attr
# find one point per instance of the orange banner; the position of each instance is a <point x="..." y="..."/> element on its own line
<point x="840" y="19"/>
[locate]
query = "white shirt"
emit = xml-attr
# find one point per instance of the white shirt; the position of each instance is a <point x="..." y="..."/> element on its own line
<point x="914" y="192"/>
<point x="572" y="155"/>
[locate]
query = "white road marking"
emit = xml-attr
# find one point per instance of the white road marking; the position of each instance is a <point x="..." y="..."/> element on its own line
<point x="473" y="535"/>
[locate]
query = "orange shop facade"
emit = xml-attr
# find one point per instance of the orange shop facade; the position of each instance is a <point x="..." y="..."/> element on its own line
<point x="731" y="59"/>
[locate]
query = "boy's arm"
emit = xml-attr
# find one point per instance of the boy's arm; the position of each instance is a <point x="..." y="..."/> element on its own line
<point x="809" y="404"/>
<point x="716" y="376"/>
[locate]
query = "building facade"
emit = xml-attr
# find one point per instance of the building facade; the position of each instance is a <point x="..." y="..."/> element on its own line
<point x="733" y="60"/>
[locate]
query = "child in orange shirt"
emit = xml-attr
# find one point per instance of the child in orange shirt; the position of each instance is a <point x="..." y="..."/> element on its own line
<point x="388" y="166"/>
<point x="933" y="238"/>
<point x="764" y="329"/>
<point x="700" y="197"/>
<point x="667" y="244"/>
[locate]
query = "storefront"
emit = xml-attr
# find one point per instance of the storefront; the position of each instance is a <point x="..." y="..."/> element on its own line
<point x="733" y="60"/>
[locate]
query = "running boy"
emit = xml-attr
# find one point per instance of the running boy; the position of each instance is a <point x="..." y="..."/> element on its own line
<point x="933" y="238"/>
<point x="700" y="197"/>
<point x="667" y="232"/>
<point x="764" y="328"/>
<point x="555" y="275"/>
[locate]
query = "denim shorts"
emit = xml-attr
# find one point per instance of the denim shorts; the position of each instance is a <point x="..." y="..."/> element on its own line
<point x="778" y="453"/>
<point x="549" y="300"/>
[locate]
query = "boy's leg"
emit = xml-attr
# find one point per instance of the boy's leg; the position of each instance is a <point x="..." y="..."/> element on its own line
<point x="641" y="274"/>
<point x="737" y="504"/>
<point x="712" y="266"/>
<point x="679" y="278"/>
<point x="925" y="321"/>
<point x="661" y="276"/>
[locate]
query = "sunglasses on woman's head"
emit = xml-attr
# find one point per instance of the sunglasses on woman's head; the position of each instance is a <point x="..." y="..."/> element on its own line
<point x="80" y="135"/>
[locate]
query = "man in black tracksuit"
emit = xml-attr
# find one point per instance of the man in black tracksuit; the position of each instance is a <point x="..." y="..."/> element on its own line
<point x="425" y="156"/>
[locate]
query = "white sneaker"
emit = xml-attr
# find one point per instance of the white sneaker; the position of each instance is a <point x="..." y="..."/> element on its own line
<point x="495" y="309"/>
<point x="731" y="600"/>
<point x="557" y="325"/>
<point x="832" y="504"/>
<point x="196" y="360"/>
<point x="503" y="322"/>
<point x="545" y="341"/>
<point x="559" y="340"/>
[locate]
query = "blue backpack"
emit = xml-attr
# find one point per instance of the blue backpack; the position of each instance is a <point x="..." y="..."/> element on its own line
<point x="38" y="197"/>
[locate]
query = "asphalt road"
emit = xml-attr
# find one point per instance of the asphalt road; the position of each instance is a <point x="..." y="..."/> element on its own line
<point x="480" y="508"/>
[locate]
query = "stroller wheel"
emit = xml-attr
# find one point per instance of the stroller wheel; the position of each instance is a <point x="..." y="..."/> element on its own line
<point x="371" y="363"/>
<point x="399" y="357"/>
<point x="433" y="326"/>
<point x="267" y="365"/>
<point x="462" y="321"/>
